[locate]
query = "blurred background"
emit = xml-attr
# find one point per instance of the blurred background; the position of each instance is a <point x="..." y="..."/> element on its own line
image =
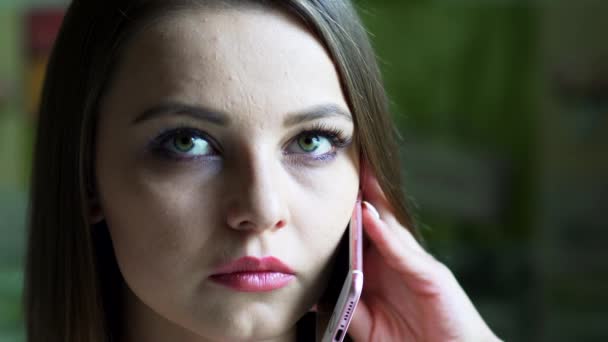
<point x="503" y="109"/>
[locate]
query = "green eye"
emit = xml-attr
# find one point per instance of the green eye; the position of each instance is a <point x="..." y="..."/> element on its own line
<point x="313" y="144"/>
<point x="183" y="143"/>
<point x="188" y="143"/>
<point x="309" y="143"/>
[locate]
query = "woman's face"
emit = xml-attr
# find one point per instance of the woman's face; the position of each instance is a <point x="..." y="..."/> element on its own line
<point x="224" y="134"/>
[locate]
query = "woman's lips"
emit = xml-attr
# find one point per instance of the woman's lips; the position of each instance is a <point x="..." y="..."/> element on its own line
<point x="251" y="274"/>
<point x="253" y="281"/>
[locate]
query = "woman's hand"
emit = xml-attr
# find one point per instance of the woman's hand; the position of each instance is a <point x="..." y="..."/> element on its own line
<point x="407" y="294"/>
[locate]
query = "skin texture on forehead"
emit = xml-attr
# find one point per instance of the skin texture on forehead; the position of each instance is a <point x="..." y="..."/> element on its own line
<point x="231" y="66"/>
<point x="172" y="222"/>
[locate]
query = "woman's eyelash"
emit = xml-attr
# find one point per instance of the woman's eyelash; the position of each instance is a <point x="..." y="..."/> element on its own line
<point x="338" y="137"/>
<point x="164" y="135"/>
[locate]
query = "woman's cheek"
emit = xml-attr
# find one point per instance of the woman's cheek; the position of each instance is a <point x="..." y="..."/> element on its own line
<point x="156" y="225"/>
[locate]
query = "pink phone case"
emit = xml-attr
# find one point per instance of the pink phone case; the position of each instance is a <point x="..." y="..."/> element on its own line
<point x="353" y="285"/>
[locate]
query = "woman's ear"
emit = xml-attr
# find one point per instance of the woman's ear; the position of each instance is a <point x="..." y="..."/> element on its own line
<point x="95" y="211"/>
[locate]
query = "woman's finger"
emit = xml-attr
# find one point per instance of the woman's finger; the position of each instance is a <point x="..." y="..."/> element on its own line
<point x="402" y="233"/>
<point x="398" y="247"/>
<point x="400" y="252"/>
<point x="376" y="198"/>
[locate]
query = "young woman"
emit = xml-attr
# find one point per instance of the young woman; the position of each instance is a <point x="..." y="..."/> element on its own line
<point x="181" y="142"/>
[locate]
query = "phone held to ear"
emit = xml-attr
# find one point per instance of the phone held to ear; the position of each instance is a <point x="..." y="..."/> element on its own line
<point x="352" y="286"/>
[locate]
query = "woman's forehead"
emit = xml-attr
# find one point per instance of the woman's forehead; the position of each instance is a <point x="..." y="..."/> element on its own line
<point x="230" y="59"/>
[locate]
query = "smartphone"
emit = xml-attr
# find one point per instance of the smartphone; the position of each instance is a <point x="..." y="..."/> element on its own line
<point x="349" y="273"/>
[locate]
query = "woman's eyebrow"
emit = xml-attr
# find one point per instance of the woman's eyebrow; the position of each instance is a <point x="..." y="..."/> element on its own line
<point x="222" y="119"/>
<point x="317" y="112"/>
<point x="176" y="108"/>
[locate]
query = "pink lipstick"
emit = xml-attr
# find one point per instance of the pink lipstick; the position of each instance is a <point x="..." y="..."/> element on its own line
<point x="251" y="274"/>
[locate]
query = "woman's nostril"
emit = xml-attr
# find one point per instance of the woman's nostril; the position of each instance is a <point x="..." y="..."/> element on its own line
<point x="281" y="224"/>
<point x="247" y="225"/>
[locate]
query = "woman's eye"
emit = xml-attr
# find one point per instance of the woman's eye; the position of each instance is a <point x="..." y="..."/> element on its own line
<point x="190" y="144"/>
<point x="186" y="144"/>
<point x="313" y="144"/>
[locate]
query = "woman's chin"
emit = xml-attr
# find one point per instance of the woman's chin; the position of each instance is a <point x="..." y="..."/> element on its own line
<point x="232" y="336"/>
<point x="253" y="322"/>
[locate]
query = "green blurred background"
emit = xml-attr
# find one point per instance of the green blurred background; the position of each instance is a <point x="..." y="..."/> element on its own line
<point x="503" y="109"/>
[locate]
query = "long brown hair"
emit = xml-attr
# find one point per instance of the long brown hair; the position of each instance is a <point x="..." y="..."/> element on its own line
<point x="72" y="282"/>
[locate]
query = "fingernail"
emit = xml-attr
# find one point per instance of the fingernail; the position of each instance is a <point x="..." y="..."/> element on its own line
<point x="372" y="209"/>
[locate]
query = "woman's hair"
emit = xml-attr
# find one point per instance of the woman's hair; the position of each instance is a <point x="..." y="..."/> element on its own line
<point x="72" y="282"/>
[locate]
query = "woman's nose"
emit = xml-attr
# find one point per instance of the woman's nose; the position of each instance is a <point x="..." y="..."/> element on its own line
<point x="255" y="199"/>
